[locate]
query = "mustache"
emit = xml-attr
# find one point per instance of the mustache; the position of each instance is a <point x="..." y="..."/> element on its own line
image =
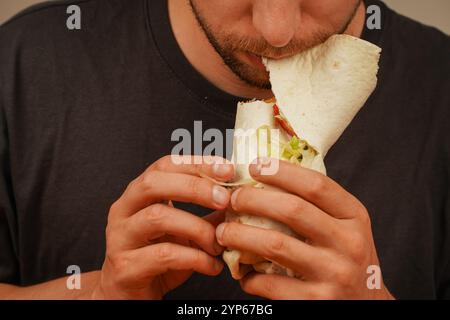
<point x="260" y="47"/>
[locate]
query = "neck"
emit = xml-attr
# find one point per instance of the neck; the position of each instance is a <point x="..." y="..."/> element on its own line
<point x="200" y="53"/>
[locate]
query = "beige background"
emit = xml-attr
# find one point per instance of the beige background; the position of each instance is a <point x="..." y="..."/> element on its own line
<point x="431" y="12"/>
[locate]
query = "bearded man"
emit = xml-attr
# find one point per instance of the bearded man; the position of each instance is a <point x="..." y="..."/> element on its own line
<point x="87" y="120"/>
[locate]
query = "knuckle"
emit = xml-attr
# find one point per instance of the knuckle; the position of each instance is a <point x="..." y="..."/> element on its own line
<point x="317" y="185"/>
<point x="120" y="262"/>
<point x="140" y="177"/>
<point x="357" y="247"/>
<point x="295" y="207"/>
<point x="195" y="187"/>
<point x="113" y="209"/>
<point x="149" y="180"/>
<point x="155" y="214"/>
<point x="164" y="253"/>
<point x="162" y="164"/>
<point x="133" y="183"/>
<point x="344" y="276"/>
<point x="275" y="244"/>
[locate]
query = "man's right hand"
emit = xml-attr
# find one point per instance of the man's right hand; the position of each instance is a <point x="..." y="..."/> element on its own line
<point x="152" y="247"/>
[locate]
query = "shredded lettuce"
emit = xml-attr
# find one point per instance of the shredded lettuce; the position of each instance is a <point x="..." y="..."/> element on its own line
<point x="298" y="151"/>
<point x="295" y="151"/>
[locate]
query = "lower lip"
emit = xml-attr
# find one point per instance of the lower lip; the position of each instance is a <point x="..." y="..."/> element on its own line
<point x="256" y="61"/>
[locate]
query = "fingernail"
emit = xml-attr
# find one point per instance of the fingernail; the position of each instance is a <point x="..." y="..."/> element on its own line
<point x="221" y="170"/>
<point x="234" y="197"/>
<point x="220" y="196"/>
<point x="264" y="161"/>
<point x="219" y="232"/>
<point x="257" y="167"/>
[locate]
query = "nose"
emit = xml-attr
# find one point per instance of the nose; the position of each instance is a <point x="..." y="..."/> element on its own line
<point x="276" y="20"/>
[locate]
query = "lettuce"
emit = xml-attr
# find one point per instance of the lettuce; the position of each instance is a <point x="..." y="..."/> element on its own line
<point x="298" y="151"/>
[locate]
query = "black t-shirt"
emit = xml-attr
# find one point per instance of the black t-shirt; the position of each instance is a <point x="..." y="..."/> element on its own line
<point x="84" y="112"/>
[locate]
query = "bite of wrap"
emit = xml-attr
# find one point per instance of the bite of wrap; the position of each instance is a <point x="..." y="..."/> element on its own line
<point x="317" y="94"/>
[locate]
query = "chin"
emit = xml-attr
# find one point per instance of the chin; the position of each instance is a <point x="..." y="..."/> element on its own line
<point x="257" y="81"/>
<point x="248" y="72"/>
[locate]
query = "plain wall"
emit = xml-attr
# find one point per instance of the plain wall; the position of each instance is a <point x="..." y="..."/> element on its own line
<point x="431" y="12"/>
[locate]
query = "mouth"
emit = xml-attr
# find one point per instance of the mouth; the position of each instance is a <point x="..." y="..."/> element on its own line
<point x="255" y="60"/>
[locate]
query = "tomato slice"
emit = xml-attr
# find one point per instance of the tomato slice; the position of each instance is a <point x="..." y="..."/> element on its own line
<point x="282" y="122"/>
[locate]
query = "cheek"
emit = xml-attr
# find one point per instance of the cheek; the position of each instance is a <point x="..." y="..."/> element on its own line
<point x="227" y="16"/>
<point x="329" y="12"/>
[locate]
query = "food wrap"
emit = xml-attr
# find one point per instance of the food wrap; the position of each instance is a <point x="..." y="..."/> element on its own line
<point x="319" y="92"/>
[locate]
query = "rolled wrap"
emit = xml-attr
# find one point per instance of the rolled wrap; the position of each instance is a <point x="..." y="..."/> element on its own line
<point x="251" y="117"/>
<point x="319" y="91"/>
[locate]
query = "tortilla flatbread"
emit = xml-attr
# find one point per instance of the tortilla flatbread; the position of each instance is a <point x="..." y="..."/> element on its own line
<point x="319" y="92"/>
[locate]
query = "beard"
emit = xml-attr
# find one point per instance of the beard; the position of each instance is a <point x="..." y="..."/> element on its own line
<point x="229" y="46"/>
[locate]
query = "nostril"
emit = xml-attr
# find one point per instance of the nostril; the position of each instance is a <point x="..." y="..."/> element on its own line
<point x="276" y="21"/>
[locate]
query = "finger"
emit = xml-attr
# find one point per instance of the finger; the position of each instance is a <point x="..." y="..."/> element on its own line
<point x="150" y="261"/>
<point x="275" y="246"/>
<point x="311" y="185"/>
<point x="212" y="166"/>
<point x="300" y="215"/>
<point x="276" y="287"/>
<point x="158" y="186"/>
<point x="215" y="218"/>
<point x="157" y="220"/>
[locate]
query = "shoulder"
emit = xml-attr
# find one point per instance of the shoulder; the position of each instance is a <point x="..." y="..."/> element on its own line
<point x="417" y="42"/>
<point x="418" y="55"/>
<point x="40" y="26"/>
<point x="415" y="68"/>
<point x="46" y="25"/>
<point x="48" y="20"/>
<point x="40" y="34"/>
<point x="42" y="16"/>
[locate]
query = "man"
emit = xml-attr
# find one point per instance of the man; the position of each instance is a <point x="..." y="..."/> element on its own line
<point x="87" y="117"/>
